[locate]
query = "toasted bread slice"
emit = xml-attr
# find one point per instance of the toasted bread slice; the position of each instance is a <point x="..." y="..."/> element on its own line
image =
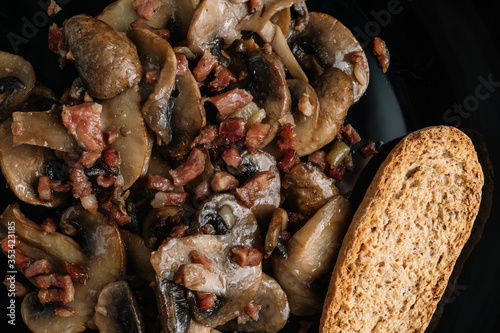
<point x="406" y="235"/>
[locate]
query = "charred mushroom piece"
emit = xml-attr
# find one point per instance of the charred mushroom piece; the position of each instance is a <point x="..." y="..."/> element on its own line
<point x="307" y="189"/>
<point x="206" y="29"/>
<point x="312" y="253"/>
<point x="122" y="115"/>
<point x="324" y="43"/>
<point x="188" y="115"/>
<point x="23" y="166"/>
<point x="17" y="79"/>
<point x="234" y="285"/>
<point x="117" y="310"/>
<point x="269" y="88"/>
<point x="157" y="54"/>
<point x="121" y="13"/>
<point x="106" y="60"/>
<point x="273" y="313"/>
<point x="334" y="90"/>
<point x="173" y="306"/>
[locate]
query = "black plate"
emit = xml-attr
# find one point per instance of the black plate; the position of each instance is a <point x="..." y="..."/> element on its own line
<point x="444" y="70"/>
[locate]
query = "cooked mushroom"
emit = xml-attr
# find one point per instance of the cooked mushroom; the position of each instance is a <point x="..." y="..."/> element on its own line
<point x="278" y="223"/>
<point x="157" y="54"/>
<point x="307" y="189"/>
<point x="117" y="310"/>
<point x="311" y="253"/>
<point x="173" y="307"/>
<point x="154" y="227"/>
<point x="269" y="89"/>
<point x="234" y="285"/>
<point x="101" y="255"/>
<point x="334" y="90"/>
<point x="273" y="313"/>
<point x="138" y="256"/>
<point x="324" y="43"/>
<point x="23" y="166"/>
<point x="122" y="115"/>
<point x="17" y="79"/>
<point x="207" y="28"/>
<point x="188" y="116"/>
<point x="106" y="60"/>
<point x="121" y="13"/>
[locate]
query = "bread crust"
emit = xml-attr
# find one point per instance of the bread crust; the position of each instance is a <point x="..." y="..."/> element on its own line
<point x="406" y="235"/>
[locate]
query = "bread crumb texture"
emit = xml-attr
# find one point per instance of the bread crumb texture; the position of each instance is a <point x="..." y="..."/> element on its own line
<point x="406" y="235"/>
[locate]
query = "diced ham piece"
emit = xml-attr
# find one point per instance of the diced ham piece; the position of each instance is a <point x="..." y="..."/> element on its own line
<point x="179" y="231"/>
<point x="146" y="8"/>
<point x="52" y="280"/>
<point x="44" y="191"/>
<point x="20" y="289"/>
<point x="159" y="183"/>
<point x="256" y="135"/>
<point x="369" y="149"/>
<point x="152" y="77"/>
<point x="232" y="157"/>
<point x="204" y="66"/>
<point x="207" y="137"/>
<point x="287" y="137"/>
<point x="382" y="53"/>
<point x="9" y="242"/>
<point x="55" y="41"/>
<point x="337" y="173"/>
<point x="53" y="8"/>
<point x="249" y="191"/>
<point x="21" y="260"/>
<point x="112" y="158"/>
<point x="247" y="256"/>
<point x="81" y="184"/>
<point x="230" y="101"/>
<point x="58" y="186"/>
<point x="163" y="199"/>
<point x="252" y="310"/>
<point x="76" y="273"/>
<point x="83" y="121"/>
<point x="38" y="267"/>
<point x="89" y="158"/>
<point x="64" y="295"/>
<point x="304" y="105"/>
<point x="64" y="311"/>
<point x="190" y="169"/>
<point x="350" y="134"/>
<point x="190" y="275"/>
<point x="223" y="181"/>
<point x="106" y="181"/>
<point x="111" y="136"/>
<point x="161" y="32"/>
<point x="288" y="161"/>
<point x="231" y="130"/>
<point x="199" y="258"/>
<point x="222" y="78"/>
<point x="16" y="128"/>
<point x="256" y="5"/>
<point x="49" y="225"/>
<point x="318" y="159"/>
<point x="182" y="65"/>
<point x="202" y="191"/>
<point x="206" y="300"/>
<point x="118" y="215"/>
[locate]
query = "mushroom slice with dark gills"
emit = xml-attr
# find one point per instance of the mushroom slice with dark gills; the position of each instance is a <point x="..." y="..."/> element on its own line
<point x="156" y="54"/>
<point x="117" y="310"/>
<point x="269" y="89"/>
<point x="100" y="254"/>
<point x="106" y="60"/>
<point x="335" y="94"/>
<point x="23" y="166"/>
<point x="311" y="253"/>
<point x="208" y="264"/>
<point x="324" y="43"/>
<point x="17" y="79"/>
<point x="207" y="29"/>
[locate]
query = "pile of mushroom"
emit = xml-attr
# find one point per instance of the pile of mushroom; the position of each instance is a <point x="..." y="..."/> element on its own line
<point x="186" y="181"/>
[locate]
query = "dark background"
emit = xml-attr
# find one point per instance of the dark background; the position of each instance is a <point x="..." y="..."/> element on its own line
<point x="439" y="51"/>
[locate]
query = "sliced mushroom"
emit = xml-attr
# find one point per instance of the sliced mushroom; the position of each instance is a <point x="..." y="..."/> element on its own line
<point x="138" y="256"/>
<point x="278" y="223"/>
<point x="156" y="53"/>
<point x="106" y="60"/>
<point x="325" y="42"/>
<point x="269" y="89"/>
<point x="312" y="253"/>
<point x="17" y="79"/>
<point x="188" y="116"/>
<point x="307" y="189"/>
<point x="273" y="313"/>
<point x="183" y="12"/>
<point x="23" y="166"/>
<point x="154" y="228"/>
<point x="234" y="286"/>
<point x="173" y="307"/>
<point x="44" y="129"/>
<point x="40" y="98"/>
<point x="121" y="13"/>
<point x="117" y="310"/>
<point x="207" y="28"/>
<point x="122" y="115"/>
<point x="334" y="90"/>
